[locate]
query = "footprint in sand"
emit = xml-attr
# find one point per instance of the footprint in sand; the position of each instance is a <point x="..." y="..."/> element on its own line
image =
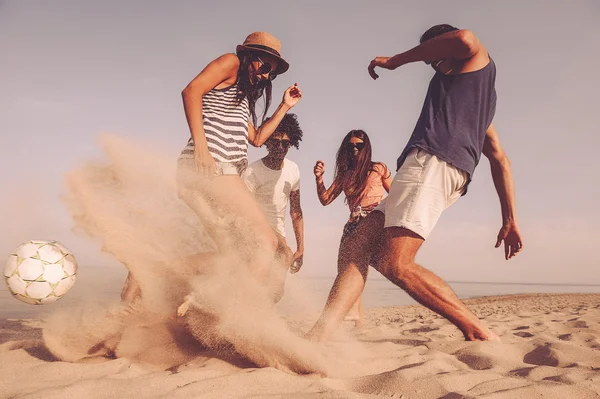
<point x="423" y="329"/>
<point x="542" y="356"/>
<point x="523" y="334"/>
<point x="565" y="337"/>
<point x="521" y="328"/>
<point x="409" y="342"/>
<point x="576" y="324"/>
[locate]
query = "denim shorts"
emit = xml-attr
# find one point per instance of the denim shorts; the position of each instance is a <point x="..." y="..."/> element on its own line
<point x="222" y="169"/>
<point x="231" y="168"/>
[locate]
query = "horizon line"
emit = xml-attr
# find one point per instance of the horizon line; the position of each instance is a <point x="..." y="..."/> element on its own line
<point x="492" y="282"/>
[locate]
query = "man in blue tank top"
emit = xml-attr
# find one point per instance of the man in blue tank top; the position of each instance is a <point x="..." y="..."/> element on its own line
<point x="434" y="169"/>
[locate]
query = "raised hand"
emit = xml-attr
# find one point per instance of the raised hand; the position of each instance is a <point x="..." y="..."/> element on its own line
<point x="319" y="169"/>
<point x="297" y="261"/>
<point x="292" y="95"/>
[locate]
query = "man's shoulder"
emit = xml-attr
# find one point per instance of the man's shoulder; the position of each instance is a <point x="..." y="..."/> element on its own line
<point x="292" y="167"/>
<point x="479" y="62"/>
<point x="293" y="172"/>
<point x="255" y="167"/>
<point x="291" y="164"/>
<point x="253" y="173"/>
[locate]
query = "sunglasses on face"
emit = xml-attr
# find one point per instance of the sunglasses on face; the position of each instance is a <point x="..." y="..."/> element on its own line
<point x="285" y="144"/>
<point x="266" y="68"/>
<point x="358" y="146"/>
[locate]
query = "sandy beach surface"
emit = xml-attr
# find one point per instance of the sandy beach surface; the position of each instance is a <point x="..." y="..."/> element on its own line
<point x="550" y="349"/>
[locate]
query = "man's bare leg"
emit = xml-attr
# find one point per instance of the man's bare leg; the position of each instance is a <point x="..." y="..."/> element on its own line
<point x="280" y="268"/>
<point x="229" y="196"/>
<point x="397" y="263"/>
<point x="350" y="281"/>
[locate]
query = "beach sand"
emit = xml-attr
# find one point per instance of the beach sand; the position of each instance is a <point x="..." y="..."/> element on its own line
<point x="233" y="342"/>
<point x="550" y="349"/>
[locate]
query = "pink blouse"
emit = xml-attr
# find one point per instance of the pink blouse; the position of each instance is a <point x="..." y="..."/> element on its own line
<point x="374" y="190"/>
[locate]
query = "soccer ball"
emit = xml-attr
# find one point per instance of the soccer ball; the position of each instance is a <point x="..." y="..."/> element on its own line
<point x="40" y="272"/>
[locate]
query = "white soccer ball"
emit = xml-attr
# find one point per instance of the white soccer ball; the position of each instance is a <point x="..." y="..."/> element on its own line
<point x="40" y="272"/>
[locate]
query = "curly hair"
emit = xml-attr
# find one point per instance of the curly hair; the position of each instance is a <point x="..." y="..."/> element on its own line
<point x="290" y="126"/>
<point x="436" y="30"/>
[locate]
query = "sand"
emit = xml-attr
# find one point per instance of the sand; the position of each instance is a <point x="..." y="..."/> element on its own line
<point x="201" y="241"/>
<point x="550" y="349"/>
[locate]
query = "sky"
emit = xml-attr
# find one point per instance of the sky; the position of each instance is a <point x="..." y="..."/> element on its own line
<point x="71" y="70"/>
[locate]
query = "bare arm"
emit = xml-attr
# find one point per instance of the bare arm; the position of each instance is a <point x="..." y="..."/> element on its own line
<point x="460" y="45"/>
<point x="386" y="178"/>
<point x="504" y="183"/>
<point x="222" y="70"/>
<point x="326" y="195"/>
<point x="258" y="137"/>
<point x="298" y="224"/>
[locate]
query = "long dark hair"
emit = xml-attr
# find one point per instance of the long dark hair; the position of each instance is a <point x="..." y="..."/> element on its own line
<point x="360" y="169"/>
<point x="245" y="89"/>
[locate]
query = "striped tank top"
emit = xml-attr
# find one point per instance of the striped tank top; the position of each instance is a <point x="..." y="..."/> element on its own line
<point x="225" y="126"/>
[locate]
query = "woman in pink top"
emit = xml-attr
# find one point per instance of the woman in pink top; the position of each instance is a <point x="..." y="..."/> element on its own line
<point x="364" y="183"/>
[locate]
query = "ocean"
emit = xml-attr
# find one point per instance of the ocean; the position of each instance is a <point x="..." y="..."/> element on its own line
<point x="106" y="287"/>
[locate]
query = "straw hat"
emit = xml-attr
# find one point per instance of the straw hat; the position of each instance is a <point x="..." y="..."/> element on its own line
<point x="264" y="42"/>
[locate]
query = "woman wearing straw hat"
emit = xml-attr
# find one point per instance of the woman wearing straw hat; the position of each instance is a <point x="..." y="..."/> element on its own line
<point x="219" y="106"/>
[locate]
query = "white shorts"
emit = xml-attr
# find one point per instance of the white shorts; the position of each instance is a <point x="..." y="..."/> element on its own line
<point x="422" y="189"/>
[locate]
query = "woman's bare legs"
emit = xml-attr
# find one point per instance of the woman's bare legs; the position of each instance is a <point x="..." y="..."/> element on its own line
<point x="356" y="312"/>
<point x="349" y="284"/>
<point x="234" y="220"/>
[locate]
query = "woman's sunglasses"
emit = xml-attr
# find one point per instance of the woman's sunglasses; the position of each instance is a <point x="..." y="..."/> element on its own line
<point x="358" y="146"/>
<point x="266" y="68"/>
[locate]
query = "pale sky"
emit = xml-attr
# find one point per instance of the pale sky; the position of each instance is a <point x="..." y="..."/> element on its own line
<point x="71" y="70"/>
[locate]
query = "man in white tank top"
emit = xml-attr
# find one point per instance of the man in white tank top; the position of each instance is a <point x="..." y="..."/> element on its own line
<point x="275" y="181"/>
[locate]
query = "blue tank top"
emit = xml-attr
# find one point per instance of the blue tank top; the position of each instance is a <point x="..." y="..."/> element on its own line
<point x="456" y="114"/>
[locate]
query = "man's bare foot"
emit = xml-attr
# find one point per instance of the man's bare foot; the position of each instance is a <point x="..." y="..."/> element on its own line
<point x="184" y="307"/>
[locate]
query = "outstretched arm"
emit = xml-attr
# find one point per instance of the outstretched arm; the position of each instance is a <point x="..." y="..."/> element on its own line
<point x="298" y="224"/>
<point x="504" y="183"/>
<point x="459" y="44"/>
